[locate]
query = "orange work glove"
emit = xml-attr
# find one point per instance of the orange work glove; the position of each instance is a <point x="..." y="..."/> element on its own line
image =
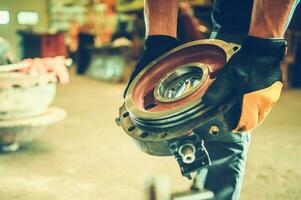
<point x="253" y="74"/>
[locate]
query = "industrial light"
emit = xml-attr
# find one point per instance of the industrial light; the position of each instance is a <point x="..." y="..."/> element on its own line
<point x="28" y="18"/>
<point x="4" y="17"/>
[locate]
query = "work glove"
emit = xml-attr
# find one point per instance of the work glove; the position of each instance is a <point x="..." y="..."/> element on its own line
<point x="253" y="74"/>
<point x="154" y="46"/>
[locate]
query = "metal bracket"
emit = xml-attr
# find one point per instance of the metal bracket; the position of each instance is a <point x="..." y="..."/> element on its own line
<point x="191" y="154"/>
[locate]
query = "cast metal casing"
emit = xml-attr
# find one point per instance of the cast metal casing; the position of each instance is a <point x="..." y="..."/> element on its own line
<point x="163" y="105"/>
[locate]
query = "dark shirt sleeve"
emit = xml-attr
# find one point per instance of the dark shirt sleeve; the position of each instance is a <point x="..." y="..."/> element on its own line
<point x="232" y="16"/>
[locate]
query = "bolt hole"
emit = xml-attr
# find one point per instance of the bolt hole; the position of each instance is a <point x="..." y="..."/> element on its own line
<point x="235" y="48"/>
<point x="131" y="128"/>
<point x="144" y="135"/>
<point x="214" y="130"/>
<point x="126" y="114"/>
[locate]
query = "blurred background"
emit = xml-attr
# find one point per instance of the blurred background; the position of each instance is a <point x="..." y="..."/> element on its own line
<point x="86" y="156"/>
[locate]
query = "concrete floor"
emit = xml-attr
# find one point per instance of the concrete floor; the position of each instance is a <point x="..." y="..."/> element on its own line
<point x="87" y="157"/>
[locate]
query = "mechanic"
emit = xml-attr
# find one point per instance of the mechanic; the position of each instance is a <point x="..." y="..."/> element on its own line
<point x="253" y="74"/>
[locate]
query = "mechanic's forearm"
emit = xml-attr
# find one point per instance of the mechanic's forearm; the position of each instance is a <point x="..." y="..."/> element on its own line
<point x="270" y="17"/>
<point x="161" y="17"/>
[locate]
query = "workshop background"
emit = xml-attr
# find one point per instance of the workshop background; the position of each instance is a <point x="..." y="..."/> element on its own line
<point x="86" y="155"/>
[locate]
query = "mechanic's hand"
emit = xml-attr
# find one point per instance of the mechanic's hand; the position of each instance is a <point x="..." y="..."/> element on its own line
<point x="45" y="65"/>
<point x="254" y="75"/>
<point x="154" y="46"/>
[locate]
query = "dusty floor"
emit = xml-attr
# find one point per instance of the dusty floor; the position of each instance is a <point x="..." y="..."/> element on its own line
<point x="87" y="157"/>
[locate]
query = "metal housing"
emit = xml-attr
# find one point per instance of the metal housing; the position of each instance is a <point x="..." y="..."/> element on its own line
<point x="163" y="107"/>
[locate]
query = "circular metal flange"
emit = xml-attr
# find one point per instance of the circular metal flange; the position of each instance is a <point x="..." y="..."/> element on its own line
<point x="157" y="142"/>
<point x="150" y="100"/>
<point x="164" y="101"/>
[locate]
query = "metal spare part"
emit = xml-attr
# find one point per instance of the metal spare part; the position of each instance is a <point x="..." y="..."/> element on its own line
<point x="163" y="110"/>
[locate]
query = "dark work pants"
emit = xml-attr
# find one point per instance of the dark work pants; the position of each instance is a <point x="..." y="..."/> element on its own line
<point x="228" y="156"/>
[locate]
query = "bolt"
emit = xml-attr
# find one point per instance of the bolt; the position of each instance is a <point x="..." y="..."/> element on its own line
<point x="214" y="130"/>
